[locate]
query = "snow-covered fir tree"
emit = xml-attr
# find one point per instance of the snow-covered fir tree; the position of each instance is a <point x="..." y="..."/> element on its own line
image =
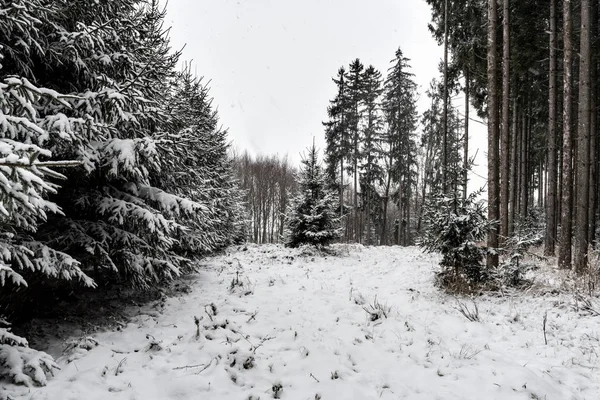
<point x="29" y="123"/>
<point x="197" y="168"/>
<point x="88" y="94"/>
<point x="313" y="217"/>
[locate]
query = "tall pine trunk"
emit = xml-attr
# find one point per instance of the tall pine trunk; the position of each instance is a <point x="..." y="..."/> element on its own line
<point x="583" y="141"/>
<point x="524" y="169"/>
<point x="564" y="251"/>
<point x="594" y="133"/>
<point x="466" y="138"/>
<point x="493" y="131"/>
<point x="505" y="152"/>
<point x="514" y="170"/>
<point x="386" y="201"/>
<point x="445" y="121"/>
<point x="550" y="239"/>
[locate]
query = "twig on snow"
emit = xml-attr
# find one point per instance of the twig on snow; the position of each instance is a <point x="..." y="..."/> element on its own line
<point x="252" y="317"/>
<point x="204" y="366"/>
<point x="544" y="327"/>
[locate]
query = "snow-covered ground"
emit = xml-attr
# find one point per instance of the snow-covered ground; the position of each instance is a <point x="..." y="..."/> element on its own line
<point x="289" y="324"/>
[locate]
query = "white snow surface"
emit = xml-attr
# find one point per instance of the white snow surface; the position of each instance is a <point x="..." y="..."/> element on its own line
<point x="295" y="327"/>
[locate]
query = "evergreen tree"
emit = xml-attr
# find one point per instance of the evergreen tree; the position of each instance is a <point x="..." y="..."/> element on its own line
<point x="370" y="170"/>
<point x="92" y="86"/>
<point x="30" y="121"/>
<point x="355" y="99"/>
<point x="197" y="171"/>
<point x="337" y="137"/>
<point x="312" y="218"/>
<point x="399" y="104"/>
<point x="454" y="227"/>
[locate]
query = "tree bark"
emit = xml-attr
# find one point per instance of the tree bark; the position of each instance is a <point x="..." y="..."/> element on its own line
<point x="493" y="132"/>
<point x="550" y="238"/>
<point x="524" y="178"/>
<point x="466" y="138"/>
<point x="583" y="141"/>
<point x="505" y="152"/>
<point x="594" y="133"/>
<point x="445" y="127"/>
<point x="383" y="240"/>
<point x="514" y="170"/>
<point x="564" y="251"/>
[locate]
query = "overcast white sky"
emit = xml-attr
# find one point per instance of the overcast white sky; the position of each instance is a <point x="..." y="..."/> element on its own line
<point x="270" y="62"/>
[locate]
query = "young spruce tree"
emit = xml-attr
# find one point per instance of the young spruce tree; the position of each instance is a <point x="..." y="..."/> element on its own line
<point x="313" y="217"/>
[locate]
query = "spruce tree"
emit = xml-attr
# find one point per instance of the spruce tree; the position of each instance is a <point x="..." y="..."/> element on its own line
<point x="92" y="86"/>
<point x="312" y="218"/>
<point x="370" y="170"/>
<point x="30" y="122"/>
<point x="399" y="105"/>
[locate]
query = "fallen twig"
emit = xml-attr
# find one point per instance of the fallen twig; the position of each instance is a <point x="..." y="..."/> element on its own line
<point x="203" y="366"/>
<point x="252" y="317"/>
<point x="544" y="327"/>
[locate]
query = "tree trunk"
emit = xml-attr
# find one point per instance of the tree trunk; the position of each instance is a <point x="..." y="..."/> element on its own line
<point x="445" y="121"/>
<point x="342" y="184"/>
<point x="583" y="139"/>
<point x="383" y="240"/>
<point x="594" y="133"/>
<point x="409" y="195"/>
<point x="524" y="178"/>
<point x="466" y="138"/>
<point x="505" y="152"/>
<point x="355" y="169"/>
<point x="514" y="170"/>
<point x="550" y="239"/>
<point x="564" y="251"/>
<point x="493" y="132"/>
<point x="541" y="180"/>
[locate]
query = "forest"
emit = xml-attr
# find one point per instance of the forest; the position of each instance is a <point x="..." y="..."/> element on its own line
<point x="117" y="174"/>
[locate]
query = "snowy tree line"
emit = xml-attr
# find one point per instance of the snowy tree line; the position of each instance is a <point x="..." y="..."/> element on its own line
<point x="268" y="184"/>
<point x="531" y="69"/>
<point x="371" y="151"/>
<point x="113" y="166"/>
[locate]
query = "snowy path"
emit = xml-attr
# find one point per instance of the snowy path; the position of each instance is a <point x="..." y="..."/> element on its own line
<point x="302" y="333"/>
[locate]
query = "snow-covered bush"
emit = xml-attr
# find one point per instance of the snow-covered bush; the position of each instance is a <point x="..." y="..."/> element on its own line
<point x="455" y="227"/>
<point x="518" y="259"/>
<point x="312" y="218"/>
<point x="21" y="364"/>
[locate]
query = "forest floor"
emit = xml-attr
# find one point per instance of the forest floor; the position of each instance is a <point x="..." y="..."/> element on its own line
<point x="360" y="323"/>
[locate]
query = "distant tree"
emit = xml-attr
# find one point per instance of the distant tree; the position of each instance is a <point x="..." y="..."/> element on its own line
<point x="370" y="171"/>
<point x="355" y="99"/>
<point x="399" y="140"/>
<point x="432" y="147"/>
<point x="337" y="135"/>
<point x="312" y="217"/>
<point x="267" y="184"/>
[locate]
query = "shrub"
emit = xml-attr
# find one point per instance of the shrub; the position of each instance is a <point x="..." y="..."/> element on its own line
<point x="455" y="227"/>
